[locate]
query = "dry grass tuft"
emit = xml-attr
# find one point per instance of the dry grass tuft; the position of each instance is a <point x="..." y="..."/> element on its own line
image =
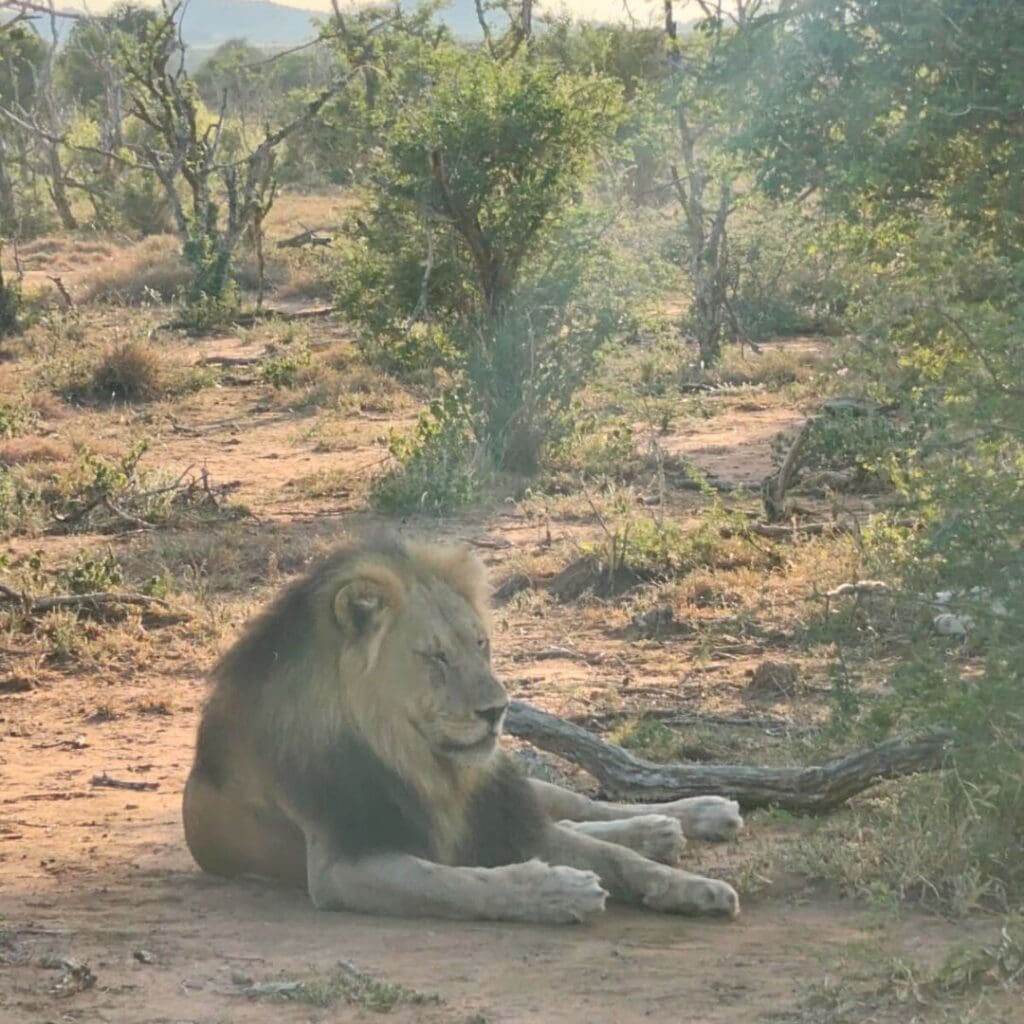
<point x="152" y="270"/>
<point x="787" y="363"/>
<point x="26" y="451"/>
<point x="133" y="372"/>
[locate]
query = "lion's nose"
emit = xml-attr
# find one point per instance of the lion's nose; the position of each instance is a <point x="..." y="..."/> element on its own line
<point x="492" y="715"/>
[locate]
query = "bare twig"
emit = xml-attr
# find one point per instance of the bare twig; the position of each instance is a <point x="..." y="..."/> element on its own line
<point x="106" y="781"/>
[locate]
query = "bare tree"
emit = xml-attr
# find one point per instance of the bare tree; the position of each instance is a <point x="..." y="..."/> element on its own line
<point x="223" y="198"/>
<point x="706" y="194"/>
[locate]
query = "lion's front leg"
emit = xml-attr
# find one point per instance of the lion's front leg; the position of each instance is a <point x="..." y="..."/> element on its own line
<point x="714" y="818"/>
<point x="634" y="879"/>
<point x="654" y="836"/>
<point x="409" y="886"/>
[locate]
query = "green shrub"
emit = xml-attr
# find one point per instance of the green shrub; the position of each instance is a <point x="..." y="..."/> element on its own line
<point x="481" y="256"/>
<point x="283" y="369"/>
<point x="14" y="418"/>
<point x="10" y="307"/>
<point x="90" y="574"/>
<point x="439" y="469"/>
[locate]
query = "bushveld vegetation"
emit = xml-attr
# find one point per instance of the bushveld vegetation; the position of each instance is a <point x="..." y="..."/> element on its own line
<point x="549" y="249"/>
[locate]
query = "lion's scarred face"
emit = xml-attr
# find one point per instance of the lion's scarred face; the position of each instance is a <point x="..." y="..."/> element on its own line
<point x="418" y="655"/>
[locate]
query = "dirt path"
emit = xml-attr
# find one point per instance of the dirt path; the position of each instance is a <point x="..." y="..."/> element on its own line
<point x="102" y="876"/>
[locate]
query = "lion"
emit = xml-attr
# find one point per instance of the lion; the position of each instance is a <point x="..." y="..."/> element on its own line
<point x="351" y="745"/>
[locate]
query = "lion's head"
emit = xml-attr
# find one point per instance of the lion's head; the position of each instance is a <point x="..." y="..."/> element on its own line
<point x="407" y="642"/>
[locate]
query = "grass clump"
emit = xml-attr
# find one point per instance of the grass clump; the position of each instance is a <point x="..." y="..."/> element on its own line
<point x="15" y="418"/>
<point x="133" y="371"/>
<point x="356" y="988"/>
<point x="284" y="369"/>
<point x="151" y="271"/>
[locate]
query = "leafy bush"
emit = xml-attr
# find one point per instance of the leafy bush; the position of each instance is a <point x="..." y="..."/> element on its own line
<point x="481" y="256"/>
<point x="21" y="508"/>
<point x="140" y="204"/>
<point x="439" y="468"/>
<point x="90" y="574"/>
<point x="283" y="369"/>
<point x="874" y="446"/>
<point x="787" y="277"/>
<point x="14" y="418"/>
<point x="10" y="307"/>
<point x="854" y="102"/>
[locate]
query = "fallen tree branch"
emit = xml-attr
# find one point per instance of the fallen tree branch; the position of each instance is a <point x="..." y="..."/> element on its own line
<point x="115" y="510"/>
<point x="309" y="236"/>
<point x="38" y="605"/>
<point x="813" y="789"/>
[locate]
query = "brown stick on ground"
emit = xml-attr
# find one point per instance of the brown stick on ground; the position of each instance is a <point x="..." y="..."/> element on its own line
<point x="812" y="789"/>
<point x="110" y="783"/>
<point x="773" y="489"/>
<point x="38" y="605"/>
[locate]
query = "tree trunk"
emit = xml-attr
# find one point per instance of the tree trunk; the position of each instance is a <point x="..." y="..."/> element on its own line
<point x="58" y="189"/>
<point x="813" y="789"/>
<point x="8" y="207"/>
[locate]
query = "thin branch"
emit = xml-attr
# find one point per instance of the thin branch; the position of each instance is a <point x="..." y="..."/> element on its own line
<point x="28" y="7"/>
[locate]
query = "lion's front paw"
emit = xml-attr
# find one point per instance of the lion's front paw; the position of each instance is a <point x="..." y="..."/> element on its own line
<point x="658" y="837"/>
<point x="714" y="818"/>
<point x="555" y="895"/>
<point x="681" y="893"/>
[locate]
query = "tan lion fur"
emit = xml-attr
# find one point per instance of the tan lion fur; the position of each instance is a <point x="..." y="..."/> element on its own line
<point x="356" y="686"/>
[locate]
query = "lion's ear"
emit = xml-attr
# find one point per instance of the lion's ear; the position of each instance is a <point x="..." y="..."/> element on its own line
<point x="363" y="606"/>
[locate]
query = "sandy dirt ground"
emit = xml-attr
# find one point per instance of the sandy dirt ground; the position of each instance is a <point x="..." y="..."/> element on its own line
<point x="101" y="876"/>
<point x="98" y="878"/>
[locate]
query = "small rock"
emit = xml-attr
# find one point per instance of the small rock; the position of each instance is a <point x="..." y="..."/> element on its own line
<point x="77" y="977"/>
<point x="143" y="956"/>
<point x="948" y="624"/>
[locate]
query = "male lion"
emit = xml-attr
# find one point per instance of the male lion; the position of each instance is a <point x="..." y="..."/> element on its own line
<point x="351" y="745"/>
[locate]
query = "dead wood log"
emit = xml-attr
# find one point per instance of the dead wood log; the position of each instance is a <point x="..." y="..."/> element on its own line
<point x="812" y="789"/>
<point x="310" y="236"/>
<point x="38" y="605"/>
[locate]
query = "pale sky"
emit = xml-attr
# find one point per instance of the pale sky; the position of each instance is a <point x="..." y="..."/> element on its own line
<point x="605" y="10"/>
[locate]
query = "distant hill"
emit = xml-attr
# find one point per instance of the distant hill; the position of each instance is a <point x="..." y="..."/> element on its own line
<point x="208" y="23"/>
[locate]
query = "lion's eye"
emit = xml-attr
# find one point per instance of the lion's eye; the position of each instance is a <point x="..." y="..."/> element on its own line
<point x="484" y="644"/>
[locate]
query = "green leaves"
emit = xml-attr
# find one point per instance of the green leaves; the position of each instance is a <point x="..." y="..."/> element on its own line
<point x="477" y="252"/>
